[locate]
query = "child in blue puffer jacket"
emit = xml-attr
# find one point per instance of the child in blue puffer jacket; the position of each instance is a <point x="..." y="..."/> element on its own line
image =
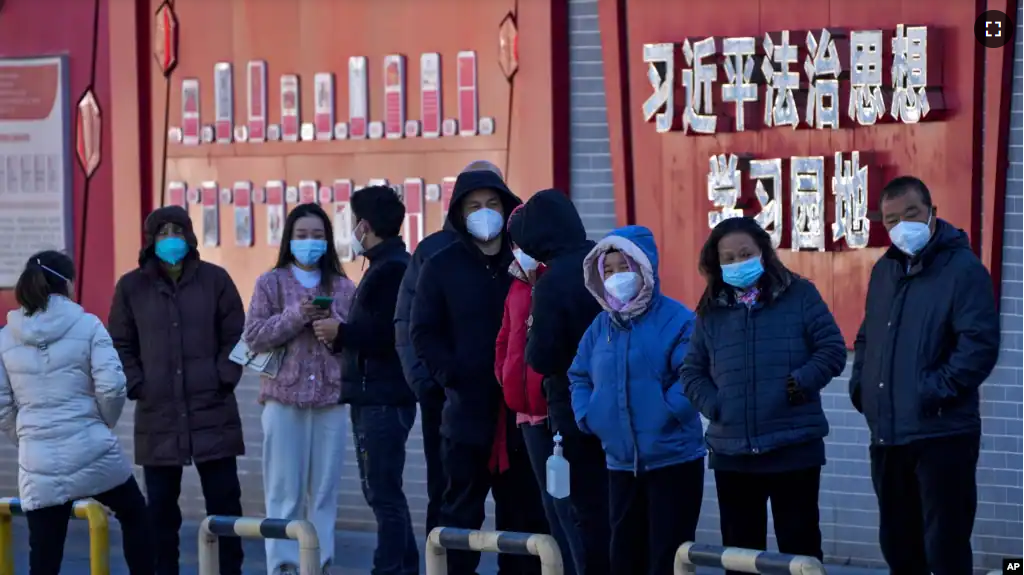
<point x="626" y="391"/>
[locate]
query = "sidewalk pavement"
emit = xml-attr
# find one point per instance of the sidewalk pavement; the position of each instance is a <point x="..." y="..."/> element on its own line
<point x="354" y="552"/>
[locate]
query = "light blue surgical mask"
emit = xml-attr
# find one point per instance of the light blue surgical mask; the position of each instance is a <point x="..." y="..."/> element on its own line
<point x="171" y="250"/>
<point x="527" y="263"/>
<point x="743" y="274"/>
<point x="911" y="237"/>
<point x="308" y="251"/>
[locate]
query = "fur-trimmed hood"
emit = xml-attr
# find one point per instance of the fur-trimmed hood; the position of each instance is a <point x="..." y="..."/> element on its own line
<point x="637" y="243"/>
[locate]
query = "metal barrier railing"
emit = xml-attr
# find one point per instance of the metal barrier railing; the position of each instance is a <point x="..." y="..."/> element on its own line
<point x="91" y="511"/>
<point x="441" y="539"/>
<point x="692" y="555"/>
<point x="216" y="526"/>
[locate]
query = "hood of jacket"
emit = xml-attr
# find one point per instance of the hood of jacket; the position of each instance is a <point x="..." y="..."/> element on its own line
<point x="946" y="237"/>
<point x="156" y="220"/>
<point x="547" y="226"/>
<point x="46" y="326"/>
<point x="637" y="242"/>
<point x="469" y="182"/>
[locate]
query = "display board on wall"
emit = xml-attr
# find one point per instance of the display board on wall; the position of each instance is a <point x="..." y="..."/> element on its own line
<point x="35" y="161"/>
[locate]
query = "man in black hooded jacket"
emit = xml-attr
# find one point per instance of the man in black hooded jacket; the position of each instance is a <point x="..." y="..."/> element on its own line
<point x="429" y="393"/>
<point x="548" y="228"/>
<point x="456" y="315"/>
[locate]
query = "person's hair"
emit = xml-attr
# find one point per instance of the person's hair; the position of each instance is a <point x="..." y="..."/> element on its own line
<point x="329" y="264"/>
<point x="775" y="273"/>
<point x="381" y="208"/>
<point x="42" y="278"/>
<point x="903" y="184"/>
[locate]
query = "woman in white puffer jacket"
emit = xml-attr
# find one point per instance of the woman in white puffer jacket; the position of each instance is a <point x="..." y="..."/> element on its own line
<point x="62" y="389"/>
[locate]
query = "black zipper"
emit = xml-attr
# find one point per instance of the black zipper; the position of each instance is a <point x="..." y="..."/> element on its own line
<point x="750" y="397"/>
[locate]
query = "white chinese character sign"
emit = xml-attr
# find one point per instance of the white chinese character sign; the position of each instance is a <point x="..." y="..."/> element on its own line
<point x="797" y="115"/>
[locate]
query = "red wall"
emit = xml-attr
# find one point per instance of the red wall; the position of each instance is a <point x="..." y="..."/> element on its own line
<point x="35" y="28"/>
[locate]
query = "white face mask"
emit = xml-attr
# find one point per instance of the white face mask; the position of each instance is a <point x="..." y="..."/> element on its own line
<point x="623" y="286"/>
<point x="527" y="263"/>
<point x="357" y="243"/>
<point x="911" y="237"/>
<point x="484" y="224"/>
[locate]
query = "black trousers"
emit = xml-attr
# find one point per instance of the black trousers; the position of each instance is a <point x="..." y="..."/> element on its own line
<point x="223" y="495"/>
<point x="430" y="425"/>
<point x="48" y="529"/>
<point x="743" y="510"/>
<point x="927" y="497"/>
<point x="517" y="505"/>
<point x="588" y="491"/>
<point x="652" y="514"/>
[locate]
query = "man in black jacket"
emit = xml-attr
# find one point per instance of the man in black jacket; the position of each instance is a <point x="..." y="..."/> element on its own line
<point x="929" y="338"/>
<point x="383" y="407"/>
<point x="548" y="228"/>
<point x="429" y="393"/>
<point x="456" y="316"/>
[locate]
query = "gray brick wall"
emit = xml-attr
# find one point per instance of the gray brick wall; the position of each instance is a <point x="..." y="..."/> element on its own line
<point x="848" y="509"/>
<point x="591" y="166"/>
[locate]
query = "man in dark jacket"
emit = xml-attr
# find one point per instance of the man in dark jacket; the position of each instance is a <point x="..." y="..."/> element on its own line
<point x="929" y="338"/>
<point x="548" y="228"/>
<point x="174" y="321"/>
<point x="429" y="393"/>
<point x="383" y="407"/>
<point x="456" y="316"/>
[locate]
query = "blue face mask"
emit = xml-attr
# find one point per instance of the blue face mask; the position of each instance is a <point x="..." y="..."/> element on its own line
<point x="743" y="274"/>
<point x="911" y="237"/>
<point x="171" y="250"/>
<point x="308" y="252"/>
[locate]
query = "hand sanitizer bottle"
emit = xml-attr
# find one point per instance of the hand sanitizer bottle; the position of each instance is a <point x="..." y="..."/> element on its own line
<point x="558" y="472"/>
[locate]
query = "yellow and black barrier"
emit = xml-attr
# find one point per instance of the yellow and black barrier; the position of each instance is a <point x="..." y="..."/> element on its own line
<point x="216" y="526"/>
<point x="87" y="509"/>
<point x="443" y="538"/>
<point x="692" y="555"/>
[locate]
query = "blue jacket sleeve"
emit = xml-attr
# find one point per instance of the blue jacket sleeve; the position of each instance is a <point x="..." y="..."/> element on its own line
<point x="427" y="327"/>
<point x="416" y="373"/>
<point x="581" y="386"/>
<point x="975" y="327"/>
<point x="828" y="348"/>
<point x="674" y="396"/>
<point x="695" y="375"/>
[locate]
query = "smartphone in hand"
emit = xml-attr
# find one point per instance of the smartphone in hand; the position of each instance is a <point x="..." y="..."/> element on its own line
<point x="323" y="302"/>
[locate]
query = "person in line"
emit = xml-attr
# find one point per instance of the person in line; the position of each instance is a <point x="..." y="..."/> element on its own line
<point x="174" y="321"/>
<point x="383" y="407"/>
<point x="626" y="391"/>
<point x="764" y="346"/>
<point x="549" y="230"/>
<point x="428" y="392"/>
<point x="929" y="338"/>
<point x="524" y="394"/>
<point x="62" y="390"/>
<point x="303" y="421"/>
<point x="456" y="316"/>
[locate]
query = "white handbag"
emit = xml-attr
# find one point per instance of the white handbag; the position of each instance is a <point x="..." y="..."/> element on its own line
<point x="266" y="363"/>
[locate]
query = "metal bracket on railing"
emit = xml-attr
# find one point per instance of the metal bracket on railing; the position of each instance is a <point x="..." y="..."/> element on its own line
<point x="91" y="511"/>
<point x="692" y="555"/>
<point x="216" y="526"/>
<point x="442" y="539"/>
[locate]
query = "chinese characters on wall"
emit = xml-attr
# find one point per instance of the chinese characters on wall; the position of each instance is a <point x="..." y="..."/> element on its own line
<point x="772" y="77"/>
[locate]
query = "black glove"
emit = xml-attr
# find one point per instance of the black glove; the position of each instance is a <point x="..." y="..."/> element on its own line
<point x="794" y="393"/>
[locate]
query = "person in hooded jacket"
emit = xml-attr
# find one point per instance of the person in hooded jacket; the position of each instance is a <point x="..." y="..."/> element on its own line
<point x="428" y="392"/>
<point x="62" y="390"/>
<point x="524" y="394"/>
<point x="303" y="420"/>
<point x="174" y="321"/>
<point x="929" y="339"/>
<point x="626" y="391"/>
<point x="764" y="346"/>
<point x="549" y="230"/>
<point x="456" y="316"/>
